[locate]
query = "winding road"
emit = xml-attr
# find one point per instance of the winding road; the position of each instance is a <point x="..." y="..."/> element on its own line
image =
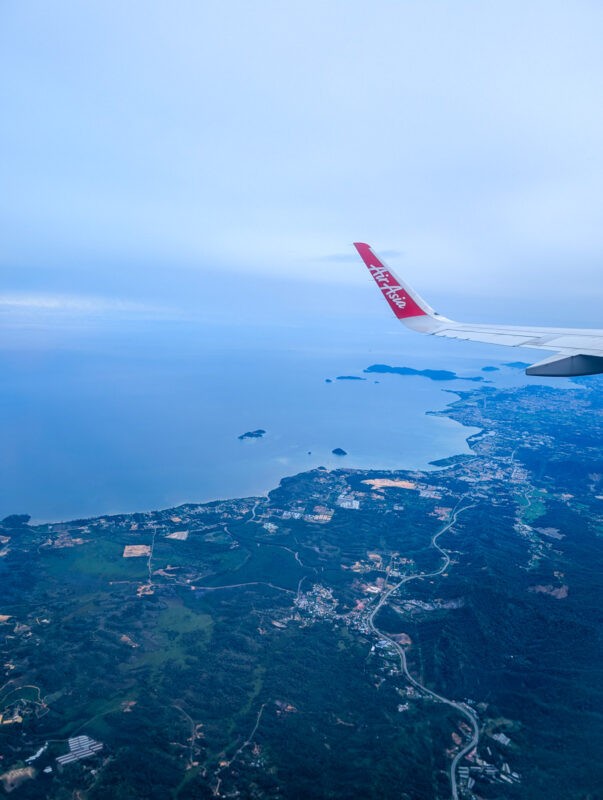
<point x="466" y="711"/>
<point x="461" y="708"/>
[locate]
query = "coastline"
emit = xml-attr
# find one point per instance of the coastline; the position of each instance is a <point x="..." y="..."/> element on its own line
<point x="338" y="465"/>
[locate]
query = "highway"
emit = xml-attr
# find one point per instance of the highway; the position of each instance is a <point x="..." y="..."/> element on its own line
<point x="466" y="711"/>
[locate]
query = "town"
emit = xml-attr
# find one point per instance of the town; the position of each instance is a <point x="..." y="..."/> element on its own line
<point x="211" y="627"/>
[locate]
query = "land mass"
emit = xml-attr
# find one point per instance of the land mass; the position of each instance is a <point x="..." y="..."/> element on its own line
<point x="432" y="374"/>
<point x="405" y="634"/>
<point x="257" y="434"/>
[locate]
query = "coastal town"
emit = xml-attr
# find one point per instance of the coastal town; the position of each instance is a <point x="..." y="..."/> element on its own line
<point x="394" y="581"/>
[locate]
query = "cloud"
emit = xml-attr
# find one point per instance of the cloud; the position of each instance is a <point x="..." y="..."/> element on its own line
<point x="75" y="304"/>
<point x="467" y="134"/>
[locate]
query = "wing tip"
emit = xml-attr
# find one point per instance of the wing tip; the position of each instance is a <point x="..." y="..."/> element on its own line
<point x="402" y="301"/>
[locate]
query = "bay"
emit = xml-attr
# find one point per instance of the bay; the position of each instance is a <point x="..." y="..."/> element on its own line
<point x="130" y="424"/>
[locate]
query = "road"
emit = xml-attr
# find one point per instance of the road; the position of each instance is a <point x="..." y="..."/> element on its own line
<point x="466" y="711"/>
<point x="191" y="749"/>
<point x="246" y="743"/>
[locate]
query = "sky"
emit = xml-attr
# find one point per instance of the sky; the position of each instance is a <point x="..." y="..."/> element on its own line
<point x="215" y="161"/>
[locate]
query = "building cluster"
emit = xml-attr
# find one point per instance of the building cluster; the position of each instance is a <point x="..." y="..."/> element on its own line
<point x="37" y="754"/>
<point x="348" y="500"/>
<point x="318" y="602"/>
<point x="80" y="747"/>
<point x="486" y="772"/>
<point x="319" y="513"/>
<point x="11" y="717"/>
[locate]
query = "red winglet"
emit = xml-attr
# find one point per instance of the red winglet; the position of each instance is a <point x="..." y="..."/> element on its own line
<point x="398" y="297"/>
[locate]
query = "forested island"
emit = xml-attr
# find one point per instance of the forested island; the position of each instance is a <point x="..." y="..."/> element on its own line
<point x="257" y="434"/>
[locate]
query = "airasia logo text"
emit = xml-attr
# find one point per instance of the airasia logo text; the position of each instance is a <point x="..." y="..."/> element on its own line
<point x="390" y="290"/>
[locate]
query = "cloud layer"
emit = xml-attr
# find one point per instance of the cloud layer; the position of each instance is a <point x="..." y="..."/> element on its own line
<point x="260" y="139"/>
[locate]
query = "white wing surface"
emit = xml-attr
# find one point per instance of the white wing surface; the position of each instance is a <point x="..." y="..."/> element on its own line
<point x="578" y="351"/>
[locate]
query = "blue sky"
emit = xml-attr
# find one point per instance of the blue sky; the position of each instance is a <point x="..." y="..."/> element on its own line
<point x="163" y="160"/>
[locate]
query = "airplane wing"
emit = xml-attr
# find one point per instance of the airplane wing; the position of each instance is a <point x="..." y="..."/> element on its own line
<point x="577" y="351"/>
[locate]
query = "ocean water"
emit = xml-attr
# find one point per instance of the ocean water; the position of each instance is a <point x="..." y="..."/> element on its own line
<point x="115" y="425"/>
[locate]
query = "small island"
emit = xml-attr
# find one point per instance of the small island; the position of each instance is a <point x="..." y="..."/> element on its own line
<point x="253" y="434"/>
<point x="338" y="451"/>
<point x="432" y="374"/>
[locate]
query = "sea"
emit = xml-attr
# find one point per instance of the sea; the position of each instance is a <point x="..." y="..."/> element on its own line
<point x="150" y="417"/>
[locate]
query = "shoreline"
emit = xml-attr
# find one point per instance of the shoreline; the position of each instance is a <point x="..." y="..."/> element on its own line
<point x="431" y="466"/>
